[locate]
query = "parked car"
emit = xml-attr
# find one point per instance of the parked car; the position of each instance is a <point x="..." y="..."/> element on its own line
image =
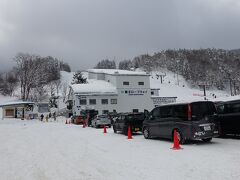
<point x="101" y="121"/>
<point x="124" y="120"/>
<point x="228" y="117"/>
<point x="78" y="119"/>
<point x="192" y="121"/>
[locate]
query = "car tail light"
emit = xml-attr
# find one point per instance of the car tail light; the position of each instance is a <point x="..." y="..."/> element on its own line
<point x="189" y="113"/>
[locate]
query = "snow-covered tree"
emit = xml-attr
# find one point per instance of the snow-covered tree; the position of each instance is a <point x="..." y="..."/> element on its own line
<point x="78" y="78"/>
<point x="125" y="65"/>
<point x="106" y="64"/>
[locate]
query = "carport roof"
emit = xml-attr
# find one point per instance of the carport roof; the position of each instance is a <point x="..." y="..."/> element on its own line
<point x="12" y="103"/>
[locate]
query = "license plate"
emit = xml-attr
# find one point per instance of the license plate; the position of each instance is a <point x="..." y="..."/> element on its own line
<point x="137" y="129"/>
<point x="207" y="128"/>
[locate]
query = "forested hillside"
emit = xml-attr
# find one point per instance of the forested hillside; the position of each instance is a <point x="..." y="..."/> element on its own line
<point x="32" y="75"/>
<point x="214" y="67"/>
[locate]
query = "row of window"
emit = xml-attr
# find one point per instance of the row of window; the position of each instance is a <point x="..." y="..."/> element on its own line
<point x="126" y="83"/>
<point x="229" y="108"/>
<point x="94" y="101"/>
<point x="114" y="111"/>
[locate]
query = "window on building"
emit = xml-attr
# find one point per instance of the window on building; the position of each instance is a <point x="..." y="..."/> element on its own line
<point x="92" y="101"/>
<point x="113" y="101"/>
<point x="135" y="110"/>
<point x="104" y="101"/>
<point x="141" y="83"/>
<point x="126" y="83"/>
<point x="9" y="112"/>
<point x="83" y="102"/>
<point x="152" y="93"/>
<point x="105" y="112"/>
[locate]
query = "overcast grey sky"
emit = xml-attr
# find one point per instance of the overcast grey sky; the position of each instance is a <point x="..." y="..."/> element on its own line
<point x="82" y="32"/>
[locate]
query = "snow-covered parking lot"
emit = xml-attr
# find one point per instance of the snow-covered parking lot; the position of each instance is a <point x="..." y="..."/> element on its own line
<point x="32" y="150"/>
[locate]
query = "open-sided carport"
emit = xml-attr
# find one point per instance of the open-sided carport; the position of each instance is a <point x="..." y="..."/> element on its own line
<point x="16" y="109"/>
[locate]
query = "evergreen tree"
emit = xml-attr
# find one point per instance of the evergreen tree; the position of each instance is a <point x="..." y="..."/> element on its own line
<point x="53" y="101"/>
<point x="106" y="64"/>
<point x="78" y="78"/>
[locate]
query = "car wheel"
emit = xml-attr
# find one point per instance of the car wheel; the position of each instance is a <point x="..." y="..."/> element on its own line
<point x="146" y="133"/>
<point x="207" y="140"/>
<point x="180" y="137"/>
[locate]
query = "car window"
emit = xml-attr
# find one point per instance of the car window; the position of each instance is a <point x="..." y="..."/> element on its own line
<point x="165" y="111"/>
<point x="201" y="109"/>
<point x="102" y="116"/>
<point x="136" y="116"/>
<point x="220" y="108"/>
<point x="232" y="108"/>
<point x="121" y="119"/>
<point x="180" y="111"/>
<point x="118" y="119"/>
<point x="155" y="113"/>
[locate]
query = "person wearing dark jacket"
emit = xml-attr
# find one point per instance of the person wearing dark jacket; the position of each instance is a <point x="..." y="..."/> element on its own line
<point x="41" y="117"/>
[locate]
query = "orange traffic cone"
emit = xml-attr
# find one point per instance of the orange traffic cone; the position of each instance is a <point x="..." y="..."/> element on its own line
<point x="66" y="122"/>
<point x="104" y="129"/>
<point x="176" y="145"/>
<point x="129" y="133"/>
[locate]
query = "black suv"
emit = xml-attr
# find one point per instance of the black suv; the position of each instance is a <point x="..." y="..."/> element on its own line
<point x="193" y="120"/>
<point x="228" y="117"/>
<point x="124" y="120"/>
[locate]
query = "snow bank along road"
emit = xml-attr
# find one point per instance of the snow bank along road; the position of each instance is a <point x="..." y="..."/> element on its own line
<point x="32" y="150"/>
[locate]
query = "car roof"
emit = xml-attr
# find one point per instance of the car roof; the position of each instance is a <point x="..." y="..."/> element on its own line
<point x="184" y="103"/>
<point x="232" y="101"/>
<point x="131" y="113"/>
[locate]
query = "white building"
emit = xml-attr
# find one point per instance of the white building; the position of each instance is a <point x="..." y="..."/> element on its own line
<point x="112" y="90"/>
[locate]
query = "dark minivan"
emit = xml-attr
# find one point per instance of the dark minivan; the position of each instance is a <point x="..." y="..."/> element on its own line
<point x="228" y="117"/>
<point x="125" y="120"/>
<point x="192" y="121"/>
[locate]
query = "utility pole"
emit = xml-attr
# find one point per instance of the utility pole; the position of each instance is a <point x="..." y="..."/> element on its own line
<point x="204" y="89"/>
<point x="161" y="78"/>
<point x="234" y="88"/>
<point x="230" y="81"/>
<point x="177" y="72"/>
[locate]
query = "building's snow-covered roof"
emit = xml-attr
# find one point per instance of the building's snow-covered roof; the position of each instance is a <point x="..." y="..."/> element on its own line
<point x="11" y="103"/>
<point x="117" y="72"/>
<point x="95" y="87"/>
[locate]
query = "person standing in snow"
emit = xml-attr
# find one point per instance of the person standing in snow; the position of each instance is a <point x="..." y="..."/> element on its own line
<point x="54" y="116"/>
<point x="47" y="118"/>
<point x="41" y="117"/>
